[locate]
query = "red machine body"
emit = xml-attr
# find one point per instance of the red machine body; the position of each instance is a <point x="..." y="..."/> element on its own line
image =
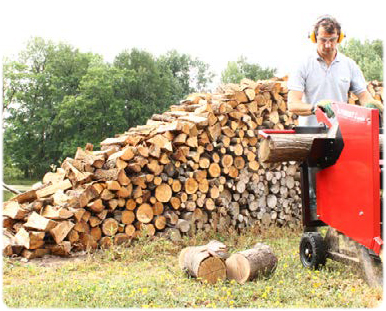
<point x="348" y="192"/>
<point x="348" y="182"/>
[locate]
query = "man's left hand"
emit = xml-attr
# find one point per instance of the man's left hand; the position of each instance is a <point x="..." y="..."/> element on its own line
<point x="325" y="105"/>
<point x="376" y="104"/>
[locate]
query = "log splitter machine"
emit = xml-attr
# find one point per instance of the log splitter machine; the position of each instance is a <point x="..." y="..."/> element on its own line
<point x="348" y="165"/>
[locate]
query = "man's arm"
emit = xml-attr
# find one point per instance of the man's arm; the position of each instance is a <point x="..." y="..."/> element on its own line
<point x="296" y="105"/>
<point x="368" y="101"/>
<point x="365" y="97"/>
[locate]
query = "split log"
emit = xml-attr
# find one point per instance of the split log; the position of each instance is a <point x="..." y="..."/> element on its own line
<point x="40" y="223"/>
<point x="61" y="230"/>
<point x="35" y="253"/>
<point x="49" y="190"/>
<point x="29" y="239"/>
<point x="14" y="210"/>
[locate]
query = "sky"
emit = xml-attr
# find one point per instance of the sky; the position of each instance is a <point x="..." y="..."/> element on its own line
<point x="272" y="33"/>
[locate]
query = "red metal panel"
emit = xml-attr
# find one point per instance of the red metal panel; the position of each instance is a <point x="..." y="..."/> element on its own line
<point x="348" y="193"/>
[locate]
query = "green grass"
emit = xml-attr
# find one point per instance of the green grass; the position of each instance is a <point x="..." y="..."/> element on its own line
<point x="147" y="274"/>
<point x="23" y="182"/>
<point x="7" y="195"/>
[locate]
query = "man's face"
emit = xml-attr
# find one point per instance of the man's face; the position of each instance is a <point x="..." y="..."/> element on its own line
<point x="326" y="42"/>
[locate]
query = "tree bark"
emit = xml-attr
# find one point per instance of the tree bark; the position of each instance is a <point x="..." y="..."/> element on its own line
<point x="247" y="265"/>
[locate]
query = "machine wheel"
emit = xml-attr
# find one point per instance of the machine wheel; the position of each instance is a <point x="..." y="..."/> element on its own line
<point x="312" y="250"/>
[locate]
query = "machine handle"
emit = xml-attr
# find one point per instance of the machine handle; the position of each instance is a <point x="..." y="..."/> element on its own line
<point x="265" y="133"/>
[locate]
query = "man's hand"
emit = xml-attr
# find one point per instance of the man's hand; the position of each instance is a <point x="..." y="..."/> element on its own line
<point x="325" y="105"/>
<point x="376" y="104"/>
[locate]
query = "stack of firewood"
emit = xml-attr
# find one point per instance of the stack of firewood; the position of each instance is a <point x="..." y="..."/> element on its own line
<point x="194" y="167"/>
<point x="375" y="88"/>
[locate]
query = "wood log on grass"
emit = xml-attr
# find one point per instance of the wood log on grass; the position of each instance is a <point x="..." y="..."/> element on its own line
<point x="258" y="262"/>
<point x="204" y="262"/>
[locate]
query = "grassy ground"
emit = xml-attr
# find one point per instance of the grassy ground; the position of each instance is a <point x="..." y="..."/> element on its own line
<point x="147" y="275"/>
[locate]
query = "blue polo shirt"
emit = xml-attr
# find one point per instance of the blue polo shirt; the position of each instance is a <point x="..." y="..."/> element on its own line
<point x="318" y="81"/>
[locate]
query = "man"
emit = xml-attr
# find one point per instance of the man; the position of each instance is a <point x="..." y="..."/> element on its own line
<point x="326" y="76"/>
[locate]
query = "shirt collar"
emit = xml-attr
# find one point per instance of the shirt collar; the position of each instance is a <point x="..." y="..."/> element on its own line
<point x="338" y="56"/>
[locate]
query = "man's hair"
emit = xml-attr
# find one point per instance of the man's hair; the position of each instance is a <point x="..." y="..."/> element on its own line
<point x="329" y="23"/>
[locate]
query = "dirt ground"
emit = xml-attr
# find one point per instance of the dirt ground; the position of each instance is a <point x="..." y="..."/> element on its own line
<point x="52" y="260"/>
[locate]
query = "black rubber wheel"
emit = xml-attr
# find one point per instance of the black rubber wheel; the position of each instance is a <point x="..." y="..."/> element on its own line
<point x="312" y="250"/>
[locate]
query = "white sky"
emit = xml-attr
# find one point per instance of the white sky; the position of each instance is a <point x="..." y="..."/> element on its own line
<point x="270" y="32"/>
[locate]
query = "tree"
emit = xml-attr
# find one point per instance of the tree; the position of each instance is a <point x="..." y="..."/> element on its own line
<point x="151" y="85"/>
<point x="191" y="75"/>
<point x="144" y="87"/>
<point x="240" y="69"/>
<point x="95" y="113"/>
<point x="35" y="85"/>
<point x="368" y="55"/>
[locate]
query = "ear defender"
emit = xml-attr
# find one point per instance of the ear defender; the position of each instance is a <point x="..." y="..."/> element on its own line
<point x="341" y="37"/>
<point x="312" y="37"/>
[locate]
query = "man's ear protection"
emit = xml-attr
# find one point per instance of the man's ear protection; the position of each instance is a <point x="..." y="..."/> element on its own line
<point x="312" y="35"/>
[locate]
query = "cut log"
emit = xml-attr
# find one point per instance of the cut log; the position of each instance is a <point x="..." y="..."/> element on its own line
<point x="163" y="193"/>
<point x="191" y="186"/>
<point x="24" y="197"/>
<point x="183" y="225"/>
<point x="96" y="206"/>
<point x="49" y="190"/>
<point x="52" y="177"/>
<point x="214" y="170"/>
<point x="160" y="222"/>
<point x="287" y="147"/>
<point x="110" y="226"/>
<point x="56" y="212"/>
<point x="61" y="230"/>
<point x="128" y="217"/>
<point x="260" y="261"/>
<point x="144" y="213"/>
<point x="204" y="262"/>
<point x="40" y="223"/>
<point x="14" y="210"/>
<point x="122" y="239"/>
<point x="29" y="239"/>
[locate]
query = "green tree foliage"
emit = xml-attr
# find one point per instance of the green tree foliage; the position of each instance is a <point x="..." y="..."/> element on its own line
<point x="240" y="69"/>
<point x="34" y="88"/>
<point x="191" y="75"/>
<point x="368" y="55"/>
<point x="95" y="113"/>
<point x="57" y="99"/>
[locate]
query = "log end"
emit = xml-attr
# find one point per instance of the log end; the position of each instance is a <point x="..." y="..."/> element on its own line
<point x="237" y="268"/>
<point x="211" y="270"/>
<point x="264" y="150"/>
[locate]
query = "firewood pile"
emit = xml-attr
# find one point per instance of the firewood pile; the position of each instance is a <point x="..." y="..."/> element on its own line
<point x="375" y="88"/>
<point x="194" y="167"/>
